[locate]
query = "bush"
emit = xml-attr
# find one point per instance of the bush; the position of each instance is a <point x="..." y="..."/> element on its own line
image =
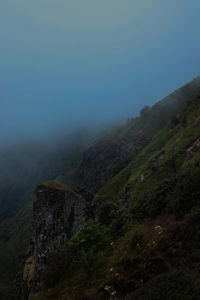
<point x="105" y="211"/>
<point x="137" y="237"/>
<point x="83" y="256"/>
<point x="119" y="220"/>
<point x="171" y="286"/>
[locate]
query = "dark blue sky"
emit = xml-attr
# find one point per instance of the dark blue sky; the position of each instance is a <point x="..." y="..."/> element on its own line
<point x="70" y="62"/>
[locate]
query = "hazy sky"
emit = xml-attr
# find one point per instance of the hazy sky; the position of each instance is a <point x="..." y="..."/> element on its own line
<point x="76" y="61"/>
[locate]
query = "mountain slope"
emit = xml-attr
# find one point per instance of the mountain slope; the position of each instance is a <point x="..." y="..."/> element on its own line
<point x="143" y="242"/>
<point x="137" y="172"/>
<point x="111" y="153"/>
<point x="166" y="171"/>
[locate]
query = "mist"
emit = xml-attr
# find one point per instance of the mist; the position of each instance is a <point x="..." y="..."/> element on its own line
<point x="67" y="64"/>
<point x="25" y="164"/>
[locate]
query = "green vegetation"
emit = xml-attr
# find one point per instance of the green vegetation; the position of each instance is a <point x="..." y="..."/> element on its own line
<point x="53" y="184"/>
<point x="110" y="154"/>
<point x="164" y="177"/>
<point x="172" y="286"/>
<point x="142" y="240"/>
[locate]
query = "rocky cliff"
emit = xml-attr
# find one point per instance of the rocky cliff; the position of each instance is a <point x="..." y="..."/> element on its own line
<point x="58" y="213"/>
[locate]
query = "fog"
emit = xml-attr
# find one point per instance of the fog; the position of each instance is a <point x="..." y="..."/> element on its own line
<point x="24" y="165"/>
<point x="66" y="64"/>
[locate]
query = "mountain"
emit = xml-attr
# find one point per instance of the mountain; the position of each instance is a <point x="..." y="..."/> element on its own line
<point x="140" y="188"/>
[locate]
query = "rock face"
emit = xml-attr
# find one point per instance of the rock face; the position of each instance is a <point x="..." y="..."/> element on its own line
<point x="58" y="213"/>
<point x="107" y="156"/>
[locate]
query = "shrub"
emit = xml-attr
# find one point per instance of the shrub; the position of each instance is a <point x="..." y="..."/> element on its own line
<point x="83" y="256"/>
<point x="172" y="286"/>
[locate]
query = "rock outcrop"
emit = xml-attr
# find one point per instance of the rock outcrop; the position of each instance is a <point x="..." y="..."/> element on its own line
<point x="194" y="148"/>
<point x="58" y="213"/>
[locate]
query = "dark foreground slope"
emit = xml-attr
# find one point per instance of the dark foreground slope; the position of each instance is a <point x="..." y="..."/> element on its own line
<point x="14" y="239"/>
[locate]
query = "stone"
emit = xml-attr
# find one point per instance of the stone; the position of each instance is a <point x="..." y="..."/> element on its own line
<point x="58" y="213"/>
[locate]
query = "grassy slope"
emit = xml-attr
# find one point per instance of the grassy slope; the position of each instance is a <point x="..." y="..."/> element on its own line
<point x="104" y="159"/>
<point x="160" y="172"/>
<point x="111" y="153"/>
<point x="144" y="243"/>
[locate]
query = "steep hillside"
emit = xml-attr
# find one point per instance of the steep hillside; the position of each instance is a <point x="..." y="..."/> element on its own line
<point x="108" y="155"/>
<point x="164" y="177"/>
<point x="144" y="176"/>
<point x="143" y="242"/>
